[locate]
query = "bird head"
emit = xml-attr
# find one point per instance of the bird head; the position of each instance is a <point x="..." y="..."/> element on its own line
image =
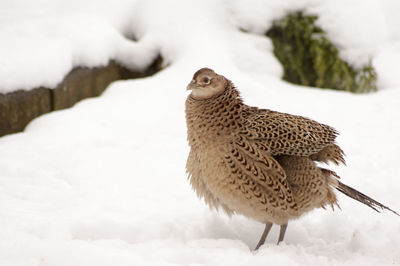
<point x="206" y="84"/>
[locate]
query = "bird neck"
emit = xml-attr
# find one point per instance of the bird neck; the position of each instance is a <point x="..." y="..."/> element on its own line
<point x="215" y="117"/>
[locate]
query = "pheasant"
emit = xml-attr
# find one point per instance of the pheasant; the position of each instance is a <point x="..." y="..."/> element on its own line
<point x="258" y="162"/>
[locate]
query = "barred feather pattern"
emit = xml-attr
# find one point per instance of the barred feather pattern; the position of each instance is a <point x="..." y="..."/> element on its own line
<point x="258" y="162"/>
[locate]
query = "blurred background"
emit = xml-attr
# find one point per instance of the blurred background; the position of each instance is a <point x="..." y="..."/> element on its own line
<point x="93" y="135"/>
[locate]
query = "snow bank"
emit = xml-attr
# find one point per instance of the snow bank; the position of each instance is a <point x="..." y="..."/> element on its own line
<point x="42" y="41"/>
<point x="356" y="27"/>
<point x="41" y="50"/>
<point x="104" y="182"/>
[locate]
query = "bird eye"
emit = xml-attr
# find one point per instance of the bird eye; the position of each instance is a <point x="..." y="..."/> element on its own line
<point x="206" y="80"/>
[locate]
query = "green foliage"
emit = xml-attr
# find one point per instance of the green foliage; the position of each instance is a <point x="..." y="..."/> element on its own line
<point x="310" y="59"/>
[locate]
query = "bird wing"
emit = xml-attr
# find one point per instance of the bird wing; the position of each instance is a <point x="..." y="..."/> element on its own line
<point x="255" y="170"/>
<point x="284" y="134"/>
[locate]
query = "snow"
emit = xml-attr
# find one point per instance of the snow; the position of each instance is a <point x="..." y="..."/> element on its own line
<point x="40" y="48"/>
<point x="350" y="28"/>
<point x="104" y="183"/>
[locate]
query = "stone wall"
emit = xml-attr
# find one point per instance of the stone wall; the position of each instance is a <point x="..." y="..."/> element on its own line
<point x="18" y="108"/>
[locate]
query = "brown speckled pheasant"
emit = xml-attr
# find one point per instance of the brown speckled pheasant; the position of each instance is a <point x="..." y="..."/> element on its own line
<point x="258" y="162"/>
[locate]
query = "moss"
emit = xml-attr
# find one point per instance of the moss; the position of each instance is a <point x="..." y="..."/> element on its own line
<point x="309" y="58"/>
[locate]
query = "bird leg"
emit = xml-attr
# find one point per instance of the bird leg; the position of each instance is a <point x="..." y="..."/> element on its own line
<point x="264" y="235"/>
<point x="282" y="233"/>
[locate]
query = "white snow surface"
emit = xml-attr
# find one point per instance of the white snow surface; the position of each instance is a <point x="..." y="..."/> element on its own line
<point x="40" y="45"/>
<point x="104" y="183"/>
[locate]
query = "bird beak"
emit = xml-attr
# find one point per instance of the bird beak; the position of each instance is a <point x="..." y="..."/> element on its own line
<point x="191" y="85"/>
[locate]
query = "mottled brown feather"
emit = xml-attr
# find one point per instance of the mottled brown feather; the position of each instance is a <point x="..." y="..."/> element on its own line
<point x="258" y="162"/>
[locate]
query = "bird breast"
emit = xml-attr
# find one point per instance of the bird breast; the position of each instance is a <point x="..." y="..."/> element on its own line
<point x="212" y="119"/>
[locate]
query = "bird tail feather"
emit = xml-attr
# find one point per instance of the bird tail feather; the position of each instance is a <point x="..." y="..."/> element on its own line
<point x="357" y="195"/>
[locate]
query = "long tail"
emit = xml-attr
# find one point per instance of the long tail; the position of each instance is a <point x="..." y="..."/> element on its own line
<point x="357" y="195"/>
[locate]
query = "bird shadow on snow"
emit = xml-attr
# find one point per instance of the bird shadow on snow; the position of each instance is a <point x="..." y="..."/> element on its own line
<point x="318" y="235"/>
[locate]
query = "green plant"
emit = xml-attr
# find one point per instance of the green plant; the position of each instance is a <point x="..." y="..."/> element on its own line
<point x="309" y="58"/>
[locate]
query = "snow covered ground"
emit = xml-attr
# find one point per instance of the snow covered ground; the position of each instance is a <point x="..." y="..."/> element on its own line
<point x="104" y="183"/>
